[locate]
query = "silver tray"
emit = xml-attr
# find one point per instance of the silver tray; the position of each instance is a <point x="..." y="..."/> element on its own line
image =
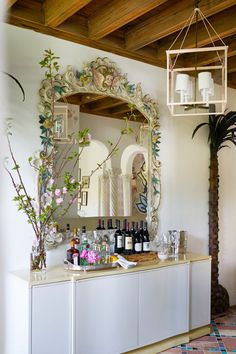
<point x="70" y="266"/>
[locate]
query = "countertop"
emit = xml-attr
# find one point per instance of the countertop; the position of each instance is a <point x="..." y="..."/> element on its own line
<point x="59" y="274"/>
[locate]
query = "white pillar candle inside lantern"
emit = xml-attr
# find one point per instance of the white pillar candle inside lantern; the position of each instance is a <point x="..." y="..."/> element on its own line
<point x="189" y="93"/>
<point x="182" y="86"/>
<point x="205" y="85"/>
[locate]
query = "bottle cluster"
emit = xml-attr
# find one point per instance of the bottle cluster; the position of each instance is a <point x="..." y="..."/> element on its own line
<point x="99" y="247"/>
<point x="130" y="240"/>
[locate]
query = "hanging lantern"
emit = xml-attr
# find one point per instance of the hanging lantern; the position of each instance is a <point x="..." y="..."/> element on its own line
<point x="197" y="77"/>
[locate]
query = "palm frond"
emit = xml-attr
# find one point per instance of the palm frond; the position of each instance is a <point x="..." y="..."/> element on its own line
<point x="197" y="128"/>
<point x="222" y="128"/>
<point x="18" y="83"/>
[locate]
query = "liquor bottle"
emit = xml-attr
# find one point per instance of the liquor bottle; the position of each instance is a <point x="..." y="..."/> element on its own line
<point x="99" y="224"/>
<point x="109" y="224"/>
<point x="84" y="238"/>
<point x="72" y="254"/>
<point x="68" y="232"/>
<point x="76" y="239"/>
<point x="118" y="238"/>
<point x="128" y="248"/>
<point x="145" y="239"/>
<point x="137" y="240"/>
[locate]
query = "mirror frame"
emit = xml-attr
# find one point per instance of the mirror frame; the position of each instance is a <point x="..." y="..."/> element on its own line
<point x="102" y="76"/>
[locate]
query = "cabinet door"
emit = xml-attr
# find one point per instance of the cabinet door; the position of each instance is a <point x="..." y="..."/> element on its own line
<point x="200" y="292"/>
<point x="164" y="295"/>
<point x="107" y="314"/>
<point x="51" y="319"/>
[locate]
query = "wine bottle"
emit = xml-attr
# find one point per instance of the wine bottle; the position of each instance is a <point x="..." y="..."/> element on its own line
<point x="99" y="224"/>
<point x="123" y="232"/>
<point x="118" y="238"/>
<point x="137" y="240"/>
<point x="132" y="230"/>
<point x="128" y="248"/>
<point x="103" y="225"/>
<point x="146" y="240"/>
<point x="109" y="224"/>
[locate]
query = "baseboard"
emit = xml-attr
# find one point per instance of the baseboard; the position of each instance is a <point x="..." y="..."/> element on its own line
<point x="172" y="342"/>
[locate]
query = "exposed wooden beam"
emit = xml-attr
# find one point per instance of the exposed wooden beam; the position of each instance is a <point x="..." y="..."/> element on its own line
<point x="107" y="102"/>
<point x="116" y="14"/>
<point x="232" y="80"/>
<point x="32" y="11"/>
<point x="122" y="109"/>
<point x="224" y="24"/>
<point x="10" y="3"/>
<point x="169" y="21"/>
<point x="57" y="12"/>
<point x="21" y="18"/>
<point x="231" y="66"/>
<point x="81" y="99"/>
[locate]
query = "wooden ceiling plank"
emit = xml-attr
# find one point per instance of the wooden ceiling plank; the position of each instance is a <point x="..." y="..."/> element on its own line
<point x="116" y="14"/>
<point x="71" y="33"/>
<point x="32" y="11"/>
<point x="170" y="20"/>
<point x="10" y="3"/>
<point x="57" y="12"/>
<point x="107" y="102"/>
<point x="81" y="99"/>
<point x="224" y="24"/>
<point x="209" y="57"/>
<point x="231" y="65"/>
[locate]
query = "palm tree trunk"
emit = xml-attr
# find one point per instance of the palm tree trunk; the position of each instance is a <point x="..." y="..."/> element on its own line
<point x="219" y="295"/>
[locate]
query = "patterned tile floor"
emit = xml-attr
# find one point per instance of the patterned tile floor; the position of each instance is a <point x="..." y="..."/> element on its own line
<point x="221" y="340"/>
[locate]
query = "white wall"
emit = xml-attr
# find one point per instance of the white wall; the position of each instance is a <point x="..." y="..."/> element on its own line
<point x="184" y="173"/>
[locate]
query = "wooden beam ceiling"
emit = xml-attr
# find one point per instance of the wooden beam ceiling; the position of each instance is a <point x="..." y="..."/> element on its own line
<point x="10" y="3"/>
<point x="117" y="14"/>
<point x="138" y="29"/>
<point x="169" y="21"/>
<point x="57" y="12"/>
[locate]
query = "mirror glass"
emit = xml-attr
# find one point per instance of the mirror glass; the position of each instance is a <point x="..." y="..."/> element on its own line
<point x="97" y="98"/>
<point x="119" y="187"/>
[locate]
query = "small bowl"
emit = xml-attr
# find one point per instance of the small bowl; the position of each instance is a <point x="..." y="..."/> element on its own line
<point x="162" y="256"/>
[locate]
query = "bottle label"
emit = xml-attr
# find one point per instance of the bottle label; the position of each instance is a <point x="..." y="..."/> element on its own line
<point x="119" y="241"/>
<point x="146" y="246"/>
<point x="128" y="243"/>
<point x="75" y="259"/>
<point x="138" y="247"/>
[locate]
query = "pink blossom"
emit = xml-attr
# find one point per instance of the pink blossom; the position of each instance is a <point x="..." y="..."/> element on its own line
<point x="64" y="190"/>
<point x="57" y="192"/>
<point x="72" y="180"/>
<point x="89" y="137"/>
<point x="50" y="181"/>
<point x="84" y="254"/>
<point x="59" y="201"/>
<point x="93" y="257"/>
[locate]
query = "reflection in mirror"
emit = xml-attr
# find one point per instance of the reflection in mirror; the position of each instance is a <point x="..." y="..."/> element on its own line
<point x="128" y="183"/>
<point x="119" y="187"/>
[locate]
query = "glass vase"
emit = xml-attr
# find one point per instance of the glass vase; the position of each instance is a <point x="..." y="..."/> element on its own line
<point x="38" y="258"/>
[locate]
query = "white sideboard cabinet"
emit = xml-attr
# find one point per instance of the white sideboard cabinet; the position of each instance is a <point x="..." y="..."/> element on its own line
<point x="200" y="293"/>
<point x="112" y="311"/>
<point x="164" y="310"/>
<point x="51" y="318"/>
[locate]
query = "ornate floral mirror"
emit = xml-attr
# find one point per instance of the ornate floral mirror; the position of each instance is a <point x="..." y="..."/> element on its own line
<point x="79" y="91"/>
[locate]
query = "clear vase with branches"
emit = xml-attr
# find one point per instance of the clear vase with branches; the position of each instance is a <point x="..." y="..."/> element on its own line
<point x="54" y="182"/>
